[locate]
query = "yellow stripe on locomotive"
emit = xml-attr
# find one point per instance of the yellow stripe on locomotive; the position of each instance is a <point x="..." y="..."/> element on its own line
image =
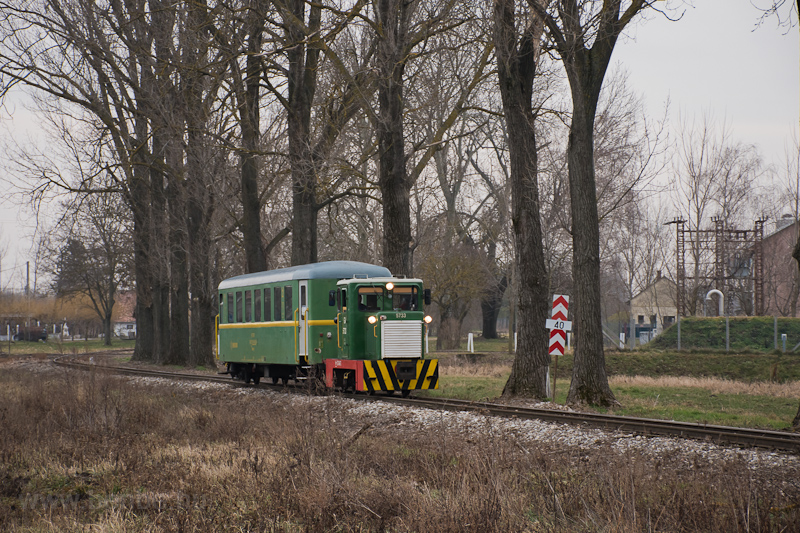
<point x="401" y="375"/>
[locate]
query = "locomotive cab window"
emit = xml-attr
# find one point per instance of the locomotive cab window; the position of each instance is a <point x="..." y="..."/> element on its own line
<point x="368" y="298"/>
<point x="404" y="298"/>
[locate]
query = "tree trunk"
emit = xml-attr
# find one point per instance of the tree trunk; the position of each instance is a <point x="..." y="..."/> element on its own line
<point x="178" y="265"/>
<point x="516" y="71"/>
<point x="139" y="202"/>
<point x="392" y="176"/>
<point x="200" y="198"/>
<point x="449" y="335"/>
<point x="255" y="258"/>
<point x="589" y="380"/>
<point x="491" y="303"/>
<point x="796" y="256"/>
<point x="200" y="279"/>
<point x="107" y="330"/>
<point x="303" y="63"/>
<point x="158" y="261"/>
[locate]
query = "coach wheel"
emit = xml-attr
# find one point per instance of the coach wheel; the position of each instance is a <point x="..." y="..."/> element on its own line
<point x="274" y="380"/>
<point x="389" y="393"/>
<point x="247" y="374"/>
<point x="406" y="393"/>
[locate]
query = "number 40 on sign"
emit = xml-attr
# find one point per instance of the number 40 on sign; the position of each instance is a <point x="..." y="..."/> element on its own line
<point x="564" y="325"/>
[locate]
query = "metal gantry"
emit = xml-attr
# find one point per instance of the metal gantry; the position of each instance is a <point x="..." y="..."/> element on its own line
<point x="738" y="262"/>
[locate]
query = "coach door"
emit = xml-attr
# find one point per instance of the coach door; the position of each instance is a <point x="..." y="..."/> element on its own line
<point x="302" y="328"/>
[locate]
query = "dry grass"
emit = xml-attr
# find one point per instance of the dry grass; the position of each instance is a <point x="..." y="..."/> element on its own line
<point x="90" y="451"/>
<point x="495" y="370"/>
<point x="714" y="385"/>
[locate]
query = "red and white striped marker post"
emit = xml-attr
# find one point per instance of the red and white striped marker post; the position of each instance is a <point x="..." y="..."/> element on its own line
<point x="558" y="326"/>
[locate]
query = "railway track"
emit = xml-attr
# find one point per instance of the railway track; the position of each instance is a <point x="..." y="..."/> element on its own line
<point x="721" y="435"/>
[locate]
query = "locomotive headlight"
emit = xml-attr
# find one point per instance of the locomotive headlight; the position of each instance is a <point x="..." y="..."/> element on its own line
<point x="428" y="319"/>
<point x="389" y="286"/>
<point x="372" y="319"/>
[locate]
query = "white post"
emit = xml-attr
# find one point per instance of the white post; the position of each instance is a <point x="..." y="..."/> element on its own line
<point x="783" y="338"/>
<point x="569" y="340"/>
<point x="515" y="342"/>
<point x="622" y="341"/>
<point x="426" y="341"/>
<point x="549" y="392"/>
<point x="470" y="345"/>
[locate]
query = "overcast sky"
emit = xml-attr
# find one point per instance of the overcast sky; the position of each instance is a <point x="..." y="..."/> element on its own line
<point x="714" y="60"/>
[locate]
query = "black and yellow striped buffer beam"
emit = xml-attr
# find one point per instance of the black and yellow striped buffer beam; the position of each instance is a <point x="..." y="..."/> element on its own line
<point x="400" y="374"/>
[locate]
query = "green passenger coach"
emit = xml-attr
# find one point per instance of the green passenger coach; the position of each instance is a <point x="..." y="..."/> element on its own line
<point x="352" y="324"/>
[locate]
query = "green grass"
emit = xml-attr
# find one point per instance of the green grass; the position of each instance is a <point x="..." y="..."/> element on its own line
<point x="65" y="347"/>
<point x="691" y="404"/>
<point x="461" y="377"/>
<point x="748" y="367"/>
<point x="476" y="388"/>
<point x="754" y="334"/>
<point x="687" y="404"/>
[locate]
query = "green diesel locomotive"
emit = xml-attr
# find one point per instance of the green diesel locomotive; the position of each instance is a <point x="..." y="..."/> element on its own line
<point x="351" y="324"/>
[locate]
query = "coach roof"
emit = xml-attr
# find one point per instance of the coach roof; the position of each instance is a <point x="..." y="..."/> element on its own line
<point x="325" y="270"/>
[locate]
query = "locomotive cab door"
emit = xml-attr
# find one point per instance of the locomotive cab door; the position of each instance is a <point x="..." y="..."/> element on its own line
<point x="302" y="328"/>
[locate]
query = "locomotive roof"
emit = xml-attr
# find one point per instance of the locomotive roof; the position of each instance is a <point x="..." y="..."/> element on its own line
<point x="324" y="270"/>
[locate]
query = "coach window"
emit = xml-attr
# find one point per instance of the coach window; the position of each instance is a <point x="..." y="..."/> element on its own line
<point x="239" y="304"/>
<point x="230" y="308"/>
<point x="277" y="303"/>
<point x="267" y="304"/>
<point x="248" y="306"/>
<point x="257" y="305"/>
<point x="287" y="297"/>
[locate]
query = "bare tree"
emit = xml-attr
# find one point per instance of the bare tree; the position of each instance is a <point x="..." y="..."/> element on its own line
<point x="118" y="64"/>
<point x="94" y="260"/>
<point x="517" y="62"/>
<point x="714" y="177"/>
<point x="400" y="29"/>
<point x="584" y="35"/>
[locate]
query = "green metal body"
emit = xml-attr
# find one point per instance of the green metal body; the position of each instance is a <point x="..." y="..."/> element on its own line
<point x="284" y="317"/>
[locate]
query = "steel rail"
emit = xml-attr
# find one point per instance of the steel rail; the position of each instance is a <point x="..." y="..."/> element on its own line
<point x="721" y="435"/>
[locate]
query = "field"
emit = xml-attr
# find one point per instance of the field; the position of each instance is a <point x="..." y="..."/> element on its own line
<point x="733" y="389"/>
<point x="94" y="452"/>
<point x="745" y="389"/>
<point x="55" y="346"/>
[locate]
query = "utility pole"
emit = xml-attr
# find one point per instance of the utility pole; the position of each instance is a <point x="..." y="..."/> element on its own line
<point x="28" y="299"/>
